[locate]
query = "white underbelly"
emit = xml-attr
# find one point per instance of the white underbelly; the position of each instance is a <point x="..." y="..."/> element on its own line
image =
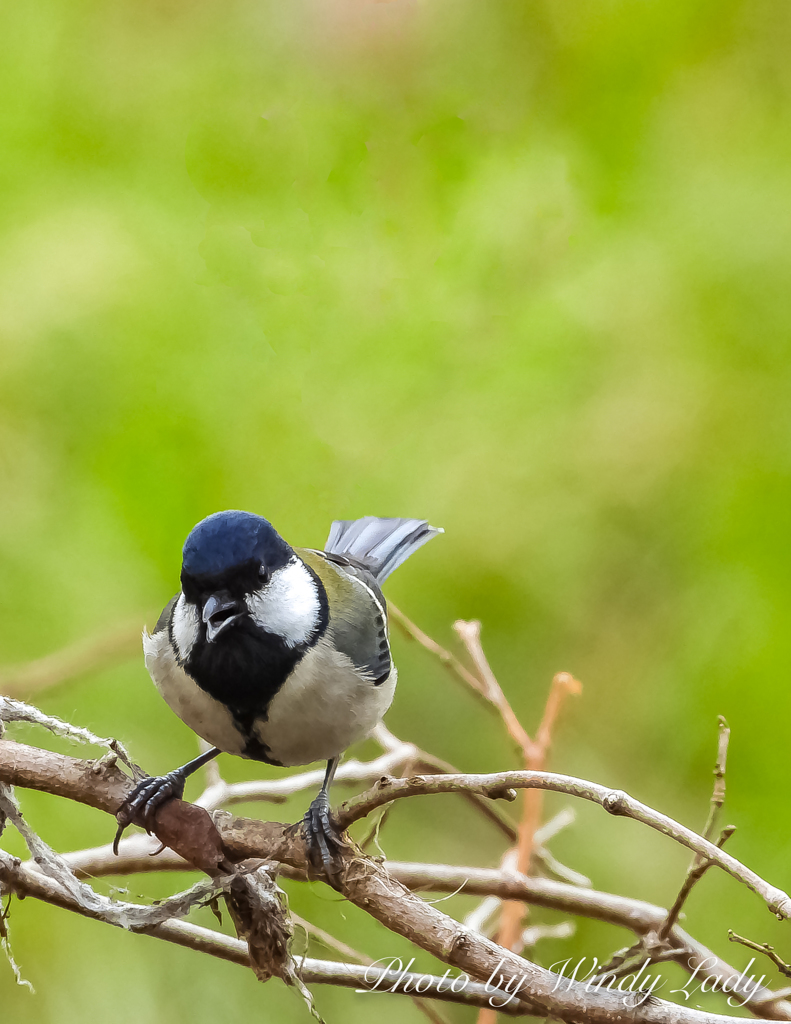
<point x="209" y="718"/>
<point x="323" y="707"/>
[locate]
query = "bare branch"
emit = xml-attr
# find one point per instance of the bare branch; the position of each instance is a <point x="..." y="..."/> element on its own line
<point x="12" y="710"/>
<point x="372" y="886"/>
<point x="136" y="854"/>
<point x="26" y="882"/>
<point x="225" y="794"/>
<point x="614" y="801"/>
<point x="125" y="915"/>
<point x="636" y="915"/>
<point x="368" y="885"/>
<point x="654" y="946"/>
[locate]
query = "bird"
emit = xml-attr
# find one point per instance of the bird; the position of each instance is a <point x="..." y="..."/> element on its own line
<point x="275" y="653"/>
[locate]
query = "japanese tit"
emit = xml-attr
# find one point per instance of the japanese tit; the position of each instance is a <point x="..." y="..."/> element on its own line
<point x="275" y="653"/>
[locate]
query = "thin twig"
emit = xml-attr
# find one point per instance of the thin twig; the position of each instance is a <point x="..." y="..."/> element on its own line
<point x="642" y="918"/>
<point x="563" y="685"/>
<point x="349" y="953"/>
<point x="699" y="864"/>
<point x="718" y="794"/>
<point x="330" y="941"/>
<point x="698" y="869"/>
<point x="470" y="635"/>
<point x="398" y="756"/>
<point x="449" y="660"/>
<point x="635" y="915"/>
<point x="765" y="948"/>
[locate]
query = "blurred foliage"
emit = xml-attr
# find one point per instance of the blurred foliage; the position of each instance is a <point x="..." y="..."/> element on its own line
<point x="521" y="269"/>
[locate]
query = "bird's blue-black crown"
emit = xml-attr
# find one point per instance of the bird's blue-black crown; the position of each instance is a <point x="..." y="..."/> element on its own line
<point x="225" y="540"/>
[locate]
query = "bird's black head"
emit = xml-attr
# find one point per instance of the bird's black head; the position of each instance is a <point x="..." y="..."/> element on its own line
<point x="226" y="557"/>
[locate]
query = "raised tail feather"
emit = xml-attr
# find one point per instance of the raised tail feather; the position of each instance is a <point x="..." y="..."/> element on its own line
<point x="380" y="544"/>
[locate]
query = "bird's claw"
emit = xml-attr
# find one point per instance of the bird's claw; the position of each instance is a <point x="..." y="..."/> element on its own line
<point x="145" y="800"/>
<point x="322" y="838"/>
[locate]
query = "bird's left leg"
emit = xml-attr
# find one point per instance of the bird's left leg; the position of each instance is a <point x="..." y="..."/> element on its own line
<point x="148" y="796"/>
<point x="324" y="843"/>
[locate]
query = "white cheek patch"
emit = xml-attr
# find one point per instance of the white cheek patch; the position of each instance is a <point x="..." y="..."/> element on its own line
<point x="185" y="626"/>
<point x="288" y="604"/>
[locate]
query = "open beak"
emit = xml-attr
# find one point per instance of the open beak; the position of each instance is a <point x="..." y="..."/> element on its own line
<point x="220" y="611"/>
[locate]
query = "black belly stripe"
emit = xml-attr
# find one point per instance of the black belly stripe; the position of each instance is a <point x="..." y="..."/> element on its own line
<point x="244" y="671"/>
<point x="254" y="748"/>
<point x="245" y="668"/>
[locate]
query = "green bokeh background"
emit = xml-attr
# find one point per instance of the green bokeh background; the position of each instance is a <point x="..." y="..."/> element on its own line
<point x="520" y="268"/>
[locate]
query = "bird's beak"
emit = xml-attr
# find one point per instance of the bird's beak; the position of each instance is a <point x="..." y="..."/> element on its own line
<point x="220" y="611"/>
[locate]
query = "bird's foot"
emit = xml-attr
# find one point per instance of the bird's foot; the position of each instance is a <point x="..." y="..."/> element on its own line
<point x="145" y="800"/>
<point x="322" y="838"/>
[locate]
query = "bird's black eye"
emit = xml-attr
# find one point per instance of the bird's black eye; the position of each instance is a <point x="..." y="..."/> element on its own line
<point x="263" y="572"/>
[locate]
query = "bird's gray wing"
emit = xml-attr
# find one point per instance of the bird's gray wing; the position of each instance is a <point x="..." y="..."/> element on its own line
<point x="358" y="614"/>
